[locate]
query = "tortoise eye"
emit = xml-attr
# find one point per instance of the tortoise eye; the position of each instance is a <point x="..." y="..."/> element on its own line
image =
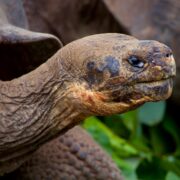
<point x="136" y="62"/>
<point x="168" y="54"/>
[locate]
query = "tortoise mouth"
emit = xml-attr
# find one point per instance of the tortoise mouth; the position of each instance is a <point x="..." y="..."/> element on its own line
<point x="157" y="90"/>
<point x="159" y="82"/>
<point x="145" y="91"/>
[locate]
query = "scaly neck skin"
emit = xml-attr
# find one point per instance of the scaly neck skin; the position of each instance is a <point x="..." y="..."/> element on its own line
<point x="33" y="109"/>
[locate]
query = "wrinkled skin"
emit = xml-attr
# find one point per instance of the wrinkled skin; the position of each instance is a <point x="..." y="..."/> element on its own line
<point x="71" y="85"/>
<point x="110" y="76"/>
<point x="159" y="19"/>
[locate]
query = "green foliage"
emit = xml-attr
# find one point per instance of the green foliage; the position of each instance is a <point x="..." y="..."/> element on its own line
<point x="172" y="176"/>
<point x="151" y="113"/>
<point x="144" y="143"/>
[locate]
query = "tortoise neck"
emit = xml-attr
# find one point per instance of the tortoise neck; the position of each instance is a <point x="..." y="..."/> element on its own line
<point x="33" y="109"/>
<point x="31" y="84"/>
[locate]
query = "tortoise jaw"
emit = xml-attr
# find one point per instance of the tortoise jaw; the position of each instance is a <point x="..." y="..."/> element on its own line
<point x="157" y="90"/>
<point x="142" y="92"/>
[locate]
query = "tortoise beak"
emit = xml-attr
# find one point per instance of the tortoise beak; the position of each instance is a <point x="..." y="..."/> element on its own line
<point x="172" y="65"/>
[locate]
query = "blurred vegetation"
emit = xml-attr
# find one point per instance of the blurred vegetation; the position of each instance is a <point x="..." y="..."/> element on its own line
<point x="144" y="143"/>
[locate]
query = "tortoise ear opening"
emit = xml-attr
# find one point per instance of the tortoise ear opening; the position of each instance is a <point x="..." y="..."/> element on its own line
<point x="21" y="51"/>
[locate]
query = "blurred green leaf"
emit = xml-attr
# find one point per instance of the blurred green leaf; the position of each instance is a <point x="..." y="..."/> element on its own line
<point x="107" y="138"/>
<point x="161" y="141"/>
<point x="172" y="176"/>
<point x="144" y="143"/>
<point x="151" y="113"/>
<point x="116" y="125"/>
<point x="136" y="137"/>
<point x="171" y="127"/>
<point x="116" y="146"/>
<point x="171" y="163"/>
<point x="128" y="167"/>
<point x="129" y="119"/>
<point x="151" y="170"/>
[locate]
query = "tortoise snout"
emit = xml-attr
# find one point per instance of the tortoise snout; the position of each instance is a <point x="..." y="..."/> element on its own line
<point x="165" y="64"/>
<point x="170" y="67"/>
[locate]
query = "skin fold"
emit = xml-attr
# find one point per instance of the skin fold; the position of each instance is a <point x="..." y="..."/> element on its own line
<point x="106" y="81"/>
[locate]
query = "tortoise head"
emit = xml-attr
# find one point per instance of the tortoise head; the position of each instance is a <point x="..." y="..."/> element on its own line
<point x="115" y="73"/>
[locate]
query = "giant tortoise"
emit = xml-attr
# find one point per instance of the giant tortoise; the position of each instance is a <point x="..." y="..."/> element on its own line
<point x="156" y="19"/>
<point x="97" y="75"/>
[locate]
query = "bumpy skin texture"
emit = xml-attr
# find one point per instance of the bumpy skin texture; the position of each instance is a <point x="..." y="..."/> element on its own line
<point x="159" y="19"/>
<point x="71" y="156"/>
<point x="115" y="73"/>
